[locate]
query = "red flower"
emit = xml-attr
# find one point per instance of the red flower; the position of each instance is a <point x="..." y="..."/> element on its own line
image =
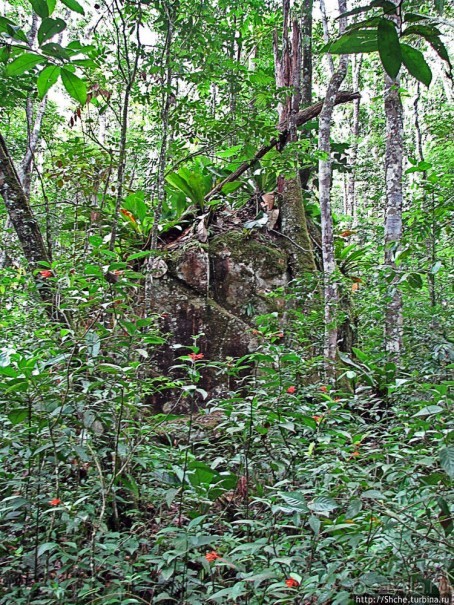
<point x="45" y="273"/>
<point x="196" y="356"/>
<point x="212" y="556"/>
<point x="291" y="390"/>
<point x="291" y="583"/>
<point x="324" y="389"/>
<point x="55" y="502"/>
<point x="317" y="418"/>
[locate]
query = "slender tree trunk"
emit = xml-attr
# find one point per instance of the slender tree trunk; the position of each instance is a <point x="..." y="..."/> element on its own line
<point x="162" y="161"/>
<point x="306" y="79"/>
<point x="351" y="184"/>
<point x="393" y="214"/>
<point x="326" y="35"/>
<point x="129" y="75"/>
<point x="306" y="33"/>
<point x="431" y="240"/>
<point x="331" y="294"/>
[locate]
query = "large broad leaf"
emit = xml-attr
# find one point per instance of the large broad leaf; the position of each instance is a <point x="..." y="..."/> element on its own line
<point x="385" y="4"/>
<point x="74" y="6"/>
<point x="177" y="181"/>
<point x="53" y="49"/>
<point x="447" y="460"/>
<point x="41" y="8"/>
<point x="50" y="28"/>
<point x="295" y="501"/>
<point x="322" y="505"/>
<point x="8" y="27"/>
<point x="432" y="35"/>
<point x="357" y="41"/>
<point x="389" y="47"/>
<point x="47" y="79"/>
<point x="23" y="63"/>
<point x="76" y="87"/>
<point x="414" y="61"/>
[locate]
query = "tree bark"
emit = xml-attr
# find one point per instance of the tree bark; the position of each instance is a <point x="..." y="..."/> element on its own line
<point x="129" y="76"/>
<point x="326" y="35"/>
<point x="431" y="240"/>
<point x="351" y="183"/>
<point x="306" y="33"/>
<point x="393" y="213"/>
<point x="25" y="224"/>
<point x="330" y="289"/>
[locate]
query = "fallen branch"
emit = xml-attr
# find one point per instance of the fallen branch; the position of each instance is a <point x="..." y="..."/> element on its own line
<point x="306" y="115"/>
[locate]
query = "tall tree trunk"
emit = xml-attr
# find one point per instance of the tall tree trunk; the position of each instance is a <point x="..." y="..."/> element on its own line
<point x="33" y="136"/>
<point x="162" y="161"/>
<point x="326" y="35"/>
<point x="306" y="33"/>
<point x="129" y="73"/>
<point x="306" y="80"/>
<point x="431" y="240"/>
<point x="393" y="214"/>
<point x="330" y="289"/>
<point x="288" y="70"/>
<point x="351" y="184"/>
<point x="26" y="227"/>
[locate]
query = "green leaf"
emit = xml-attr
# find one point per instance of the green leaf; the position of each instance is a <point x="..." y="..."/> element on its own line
<point x="18" y="416"/>
<point x="53" y="49"/>
<point x="23" y="63"/>
<point x="447" y="460"/>
<point x="295" y="501"/>
<point x="357" y="41"/>
<point x="41" y="8"/>
<point x="414" y="61"/>
<point x="389" y="47"/>
<point x="74" y="6"/>
<point x="373" y="494"/>
<point x="43" y="548"/>
<point x="385" y="4"/>
<point x="8" y="27"/>
<point x="75" y="87"/>
<point x="50" y="28"/>
<point x="322" y="505"/>
<point x="429" y="410"/>
<point x="445" y="516"/>
<point x="47" y="79"/>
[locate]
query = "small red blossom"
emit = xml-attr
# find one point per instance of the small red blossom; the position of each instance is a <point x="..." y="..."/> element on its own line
<point x="45" y="273"/>
<point x="291" y="390"/>
<point x="55" y="501"/>
<point x="317" y="418"/>
<point x="196" y="356"/>
<point x="323" y="389"/>
<point x="292" y="583"/>
<point x="281" y="334"/>
<point x="212" y="556"/>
